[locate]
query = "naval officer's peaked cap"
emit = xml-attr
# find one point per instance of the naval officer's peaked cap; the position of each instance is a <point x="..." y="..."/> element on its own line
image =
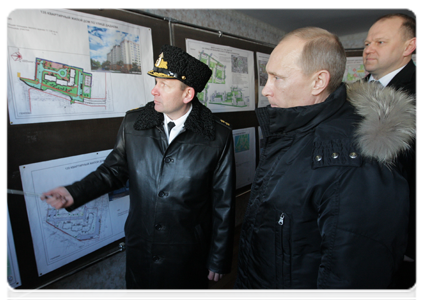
<point x="174" y="63"/>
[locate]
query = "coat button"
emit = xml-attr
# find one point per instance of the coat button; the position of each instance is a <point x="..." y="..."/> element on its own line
<point x="158" y="226"/>
<point x="335" y="155"/>
<point x="168" y="160"/>
<point x="156" y="257"/>
<point x="318" y="158"/>
<point x="353" y="155"/>
<point x="162" y="194"/>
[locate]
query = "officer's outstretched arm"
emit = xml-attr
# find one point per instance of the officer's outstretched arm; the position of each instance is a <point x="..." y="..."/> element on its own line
<point x="58" y="198"/>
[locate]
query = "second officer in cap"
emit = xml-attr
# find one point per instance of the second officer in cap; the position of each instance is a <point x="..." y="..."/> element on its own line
<point x="179" y="231"/>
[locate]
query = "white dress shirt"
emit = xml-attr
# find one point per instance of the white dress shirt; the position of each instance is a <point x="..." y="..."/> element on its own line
<point x="179" y="125"/>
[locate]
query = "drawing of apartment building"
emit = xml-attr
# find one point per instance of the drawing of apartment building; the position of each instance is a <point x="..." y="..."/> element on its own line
<point x="128" y="52"/>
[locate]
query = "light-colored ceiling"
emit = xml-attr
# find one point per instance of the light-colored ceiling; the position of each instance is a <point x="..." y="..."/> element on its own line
<point x="338" y="21"/>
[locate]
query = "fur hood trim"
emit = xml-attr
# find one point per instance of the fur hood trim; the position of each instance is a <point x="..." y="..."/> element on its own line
<point x="389" y="120"/>
<point x="200" y="120"/>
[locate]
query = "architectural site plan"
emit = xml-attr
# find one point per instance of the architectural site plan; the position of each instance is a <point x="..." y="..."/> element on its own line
<point x="231" y="86"/>
<point x="67" y="80"/>
<point x="61" y="236"/>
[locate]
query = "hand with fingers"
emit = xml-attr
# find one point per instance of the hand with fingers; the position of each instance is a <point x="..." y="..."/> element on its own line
<point x="214" y="276"/>
<point x="58" y="198"/>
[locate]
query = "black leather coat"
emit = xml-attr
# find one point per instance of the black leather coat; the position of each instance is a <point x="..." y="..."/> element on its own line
<point x="181" y="215"/>
<point x="321" y="214"/>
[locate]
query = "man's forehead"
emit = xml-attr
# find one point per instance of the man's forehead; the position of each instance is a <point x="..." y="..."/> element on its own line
<point x="285" y="53"/>
<point x="389" y="26"/>
<point x="166" y="79"/>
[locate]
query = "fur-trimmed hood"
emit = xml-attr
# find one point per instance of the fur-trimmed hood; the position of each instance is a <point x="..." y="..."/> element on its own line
<point x="200" y="120"/>
<point x="389" y="120"/>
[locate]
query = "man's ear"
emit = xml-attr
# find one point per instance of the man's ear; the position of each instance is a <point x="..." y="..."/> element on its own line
<point x="410" y="46"/>
<point x="188" y="95"/>
<point x="320" y="82"/>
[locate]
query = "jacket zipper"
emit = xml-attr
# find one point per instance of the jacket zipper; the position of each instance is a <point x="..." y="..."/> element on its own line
<point x="281" y="218"/>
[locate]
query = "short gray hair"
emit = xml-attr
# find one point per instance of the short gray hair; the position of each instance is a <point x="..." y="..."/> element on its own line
<point x="322" y="51"/>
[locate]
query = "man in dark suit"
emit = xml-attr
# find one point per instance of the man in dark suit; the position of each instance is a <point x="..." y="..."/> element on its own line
<point x="387" y="52"/>
<point x="387" y="57"/>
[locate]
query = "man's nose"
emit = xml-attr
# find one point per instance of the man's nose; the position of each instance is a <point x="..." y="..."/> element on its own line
<point x="369" y="48"/>
<point x="154" y="91"/>
<point x="266" y="91"/>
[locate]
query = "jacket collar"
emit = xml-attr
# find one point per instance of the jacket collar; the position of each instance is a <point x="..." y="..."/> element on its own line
<point x="200" y="120"/>
<point x="277" y="121"/>
<point x="405" y="79"/>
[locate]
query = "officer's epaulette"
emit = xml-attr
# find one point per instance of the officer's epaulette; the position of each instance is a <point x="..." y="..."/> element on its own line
<point x="220" y="121"/>
<point x="134" y="109"/>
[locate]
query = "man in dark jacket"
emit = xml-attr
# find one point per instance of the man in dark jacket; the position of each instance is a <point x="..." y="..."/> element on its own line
<point x="179" y="230"/>
<point x="387" y="57"/>
<point x="328" y="206"/>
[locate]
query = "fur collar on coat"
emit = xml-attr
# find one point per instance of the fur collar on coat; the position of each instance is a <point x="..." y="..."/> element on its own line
<point x="389" y="120"/>
<point x="200" y="120"/>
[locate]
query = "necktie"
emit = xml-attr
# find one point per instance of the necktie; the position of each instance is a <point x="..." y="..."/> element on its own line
<point x="170" y="125"/>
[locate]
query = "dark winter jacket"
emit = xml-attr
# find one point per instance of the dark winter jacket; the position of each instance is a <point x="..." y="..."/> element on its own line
<point x="181" y="215"/>
<point x="328" y="208"/>
<point x="405" y="81"/>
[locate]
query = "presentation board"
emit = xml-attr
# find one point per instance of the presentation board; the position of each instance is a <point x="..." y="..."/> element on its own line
<point x="262" y="59"/>
<point x="13" y="273"/>
<point x="61" y="236"/>
<point x="67" y="65"/>
<point x="231" y="85"/>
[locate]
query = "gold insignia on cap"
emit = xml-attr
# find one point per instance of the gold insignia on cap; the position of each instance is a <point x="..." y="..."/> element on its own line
<point x="183" y="78"/>
<point x="160" y="63"/>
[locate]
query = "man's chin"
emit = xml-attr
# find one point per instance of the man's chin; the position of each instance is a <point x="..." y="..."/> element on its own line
<point x="157" y="107"/>
<point x="369" y="65"/>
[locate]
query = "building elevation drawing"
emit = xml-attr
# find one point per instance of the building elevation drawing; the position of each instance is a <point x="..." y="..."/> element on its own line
<point x="68" y="80"/>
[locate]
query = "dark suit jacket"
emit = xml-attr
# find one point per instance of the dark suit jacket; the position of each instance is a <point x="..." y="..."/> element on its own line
<point x="405" y="80"/>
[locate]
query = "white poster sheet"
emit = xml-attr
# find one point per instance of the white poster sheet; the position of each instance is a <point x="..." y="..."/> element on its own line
<point x="245" y="155"/>
<point x="13" y="275"/>
<point x="354" y="69"/>
<point x="231" y="86"/>
<point x="262" y="60"/>
<point x="59" y="236"/>
<point x="66" y="65"/>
